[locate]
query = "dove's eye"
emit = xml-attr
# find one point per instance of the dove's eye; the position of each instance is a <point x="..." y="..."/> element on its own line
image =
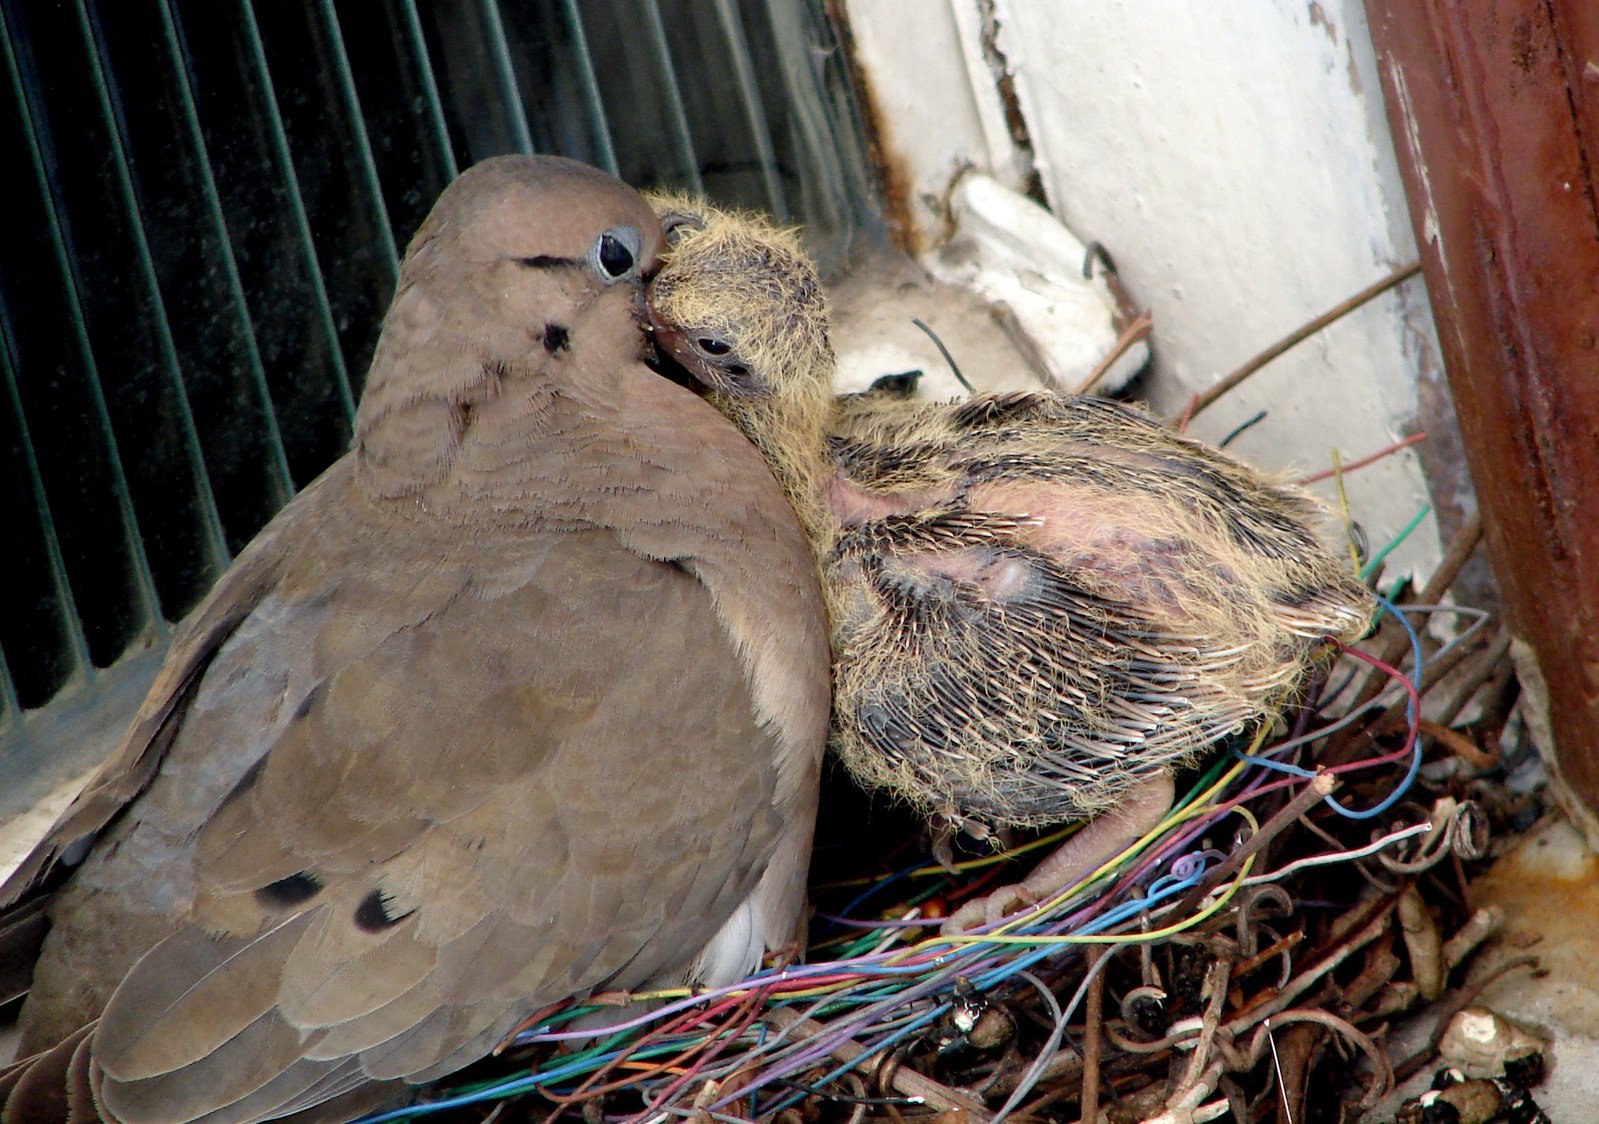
<point x="616" y="252"/>
<point x="615" y="258"/>
<point x="713" y="346"/>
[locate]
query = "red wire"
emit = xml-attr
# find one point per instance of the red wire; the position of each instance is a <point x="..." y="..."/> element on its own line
<point x="1415" y="715"/>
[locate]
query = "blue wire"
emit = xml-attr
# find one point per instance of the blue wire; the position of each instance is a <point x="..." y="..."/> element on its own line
<point x="1410" y="717"/>
<point x="883" y="883"/>
<point x="915" y="1024"/>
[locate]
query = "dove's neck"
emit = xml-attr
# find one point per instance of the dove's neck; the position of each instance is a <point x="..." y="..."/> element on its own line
<point x="791" y="433"/>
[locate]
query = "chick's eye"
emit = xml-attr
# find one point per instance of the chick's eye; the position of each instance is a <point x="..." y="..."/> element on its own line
<point x="615" y="258"/>
<point x="713" y="346"/>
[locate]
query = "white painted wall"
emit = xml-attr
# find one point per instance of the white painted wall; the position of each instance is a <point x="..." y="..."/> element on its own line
<point x="1235" y="160"/>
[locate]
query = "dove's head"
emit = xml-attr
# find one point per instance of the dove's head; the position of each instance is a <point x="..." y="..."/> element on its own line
<point x="739" y="306"/>
<point x="527" y="273"/>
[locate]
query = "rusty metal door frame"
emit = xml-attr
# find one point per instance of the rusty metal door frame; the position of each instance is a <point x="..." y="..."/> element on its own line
<point x="1494" y="108"/>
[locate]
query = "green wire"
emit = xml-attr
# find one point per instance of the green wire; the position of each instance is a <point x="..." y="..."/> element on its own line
<point x="1370" y="567"/>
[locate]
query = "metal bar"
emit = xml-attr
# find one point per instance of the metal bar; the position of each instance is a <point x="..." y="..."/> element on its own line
<point x="430" y="87"/>
<point x="363" y="143"/>
<point x="1483" y="102"/>
<point x="302" y="223"/>
<point x="754" y="113"/>
<point x="505" y="75"/>
<point x="217" y="554"/>
<point x="10" y="706"/>
<point x="591" y="87"/>
<point x="817" y="151"/>
<point x="144" y="579"/>
<point x="655" y="29"/>
<point x="77" y="641"/>
<point x="282" y="478"/>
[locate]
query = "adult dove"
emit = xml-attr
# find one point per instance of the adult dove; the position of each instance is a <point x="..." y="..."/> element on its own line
<point x="1042" y="605"/>
<point x="522" y="699"/>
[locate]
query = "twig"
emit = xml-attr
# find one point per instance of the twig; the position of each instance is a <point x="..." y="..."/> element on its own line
<point x="1485" y="666"/>
<point x="1478" y="928"/>
<point x="1381" y="964"/>
<point x="1093" y="1015"/>
<point x="1423" y="941"/>
<point x="1299" y="335"/>
<point x="1302" y="983"/>
<point x="1141" y="326"/>
<point x="907" y="1081"/>
<point x="1349" y="466"/>
<point x="1379" y="1060"/>
<point x="1457" y="1003"/>
<point x="1033" y="355"/>
<point x="1321" y="786"/>
<point x="1214" y="989"/>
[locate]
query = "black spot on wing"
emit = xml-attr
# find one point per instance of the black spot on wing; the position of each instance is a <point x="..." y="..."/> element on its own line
<point x="288" y="892"/>
<point x="374" y="913"/>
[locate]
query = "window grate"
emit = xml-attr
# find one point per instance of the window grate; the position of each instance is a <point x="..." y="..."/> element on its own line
<point x="209" y="201"/>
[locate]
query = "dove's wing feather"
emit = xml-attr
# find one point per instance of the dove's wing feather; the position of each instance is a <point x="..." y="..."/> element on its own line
<point x="523" y="698"/>
<point x="129" y="768"/>
<point x="505" y="833"/>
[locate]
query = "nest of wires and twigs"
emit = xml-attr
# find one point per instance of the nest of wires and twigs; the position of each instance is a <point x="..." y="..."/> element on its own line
<point x="1245" y="960"/>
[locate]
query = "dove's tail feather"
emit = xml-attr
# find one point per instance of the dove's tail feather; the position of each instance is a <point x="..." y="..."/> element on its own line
<point x="52" y="1086"/>
<point x="64" y="1085"/>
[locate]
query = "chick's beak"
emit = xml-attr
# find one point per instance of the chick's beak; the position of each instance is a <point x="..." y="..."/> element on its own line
<point x="670" y="355"/>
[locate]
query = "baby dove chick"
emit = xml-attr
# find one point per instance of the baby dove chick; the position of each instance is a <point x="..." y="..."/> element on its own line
<point x="1041" y="605"/>
<point x="523" y="699"/>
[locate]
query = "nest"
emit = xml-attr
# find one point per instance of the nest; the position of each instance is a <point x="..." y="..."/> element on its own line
<point x="1247" y="956"/>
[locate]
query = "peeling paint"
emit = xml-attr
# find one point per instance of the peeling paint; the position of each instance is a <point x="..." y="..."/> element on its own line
<point x="894" y="179"/>
<point x="1005" y="85"/>
<point x="1318" y="18"/>
<point x="1429" y="222"/>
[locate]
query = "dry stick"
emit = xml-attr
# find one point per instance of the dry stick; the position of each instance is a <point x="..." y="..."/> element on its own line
<point x="1293" y="1057"/>
<point x="1302" y="983"/>
<point x="1459" y="744"/>
<point x="1455" y="557"/>
<point x="1384" y="1073"/>
<point x="1478" y="927"/>
<point x="1320" y="786"/>
<point x="1141" y="326"/>
<point x="1487" y="665"/>
<point x="1448" y="1009"/>
<point x="1350" y="466"/>
<point x="1271" y="952"/>
<point x="1382" y="964"/>
<point x="1458" y="553"/>
<point x="1214" y="989"/>
<point x="907" y="1081"/>
<point x="1093" y="1013"/>
<point x="1299" y="335"/>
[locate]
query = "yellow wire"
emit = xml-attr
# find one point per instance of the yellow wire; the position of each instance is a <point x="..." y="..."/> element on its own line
<point x="1343" y="506"/>
<point x="965" y="864"/>
<point x="1126" y="938"/>
<point x="1200" y="805"/>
